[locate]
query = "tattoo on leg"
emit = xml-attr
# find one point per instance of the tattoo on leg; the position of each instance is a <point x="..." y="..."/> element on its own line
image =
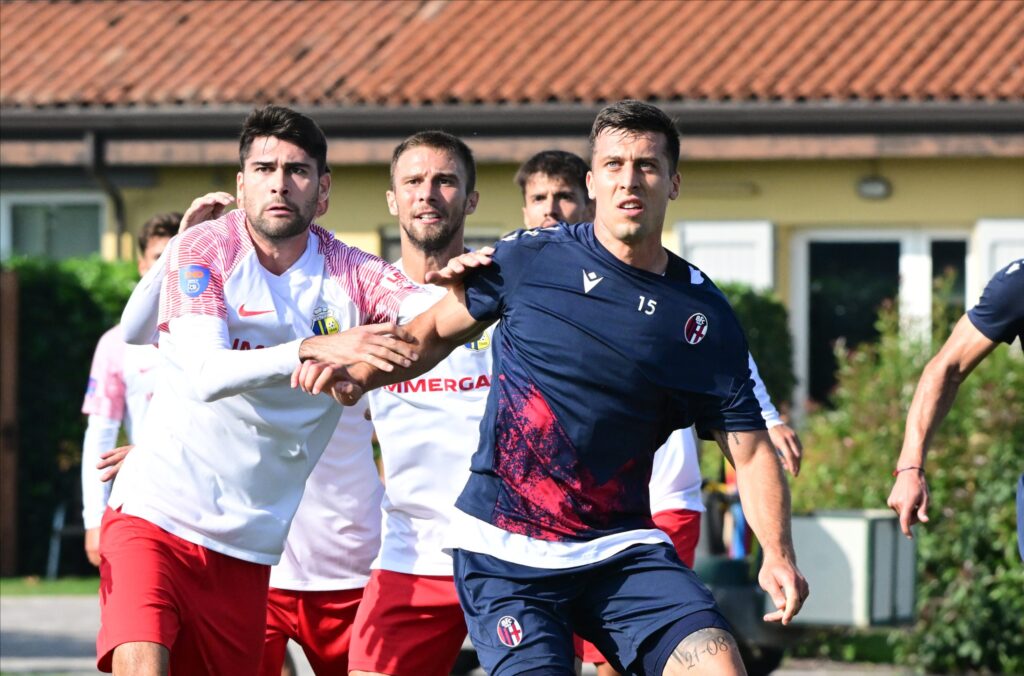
<point x="702" y="645"/>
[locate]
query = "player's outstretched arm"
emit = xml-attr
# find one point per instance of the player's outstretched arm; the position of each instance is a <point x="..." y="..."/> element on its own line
<point x="765" y="498"/>
<point x="435" y="333"/>
<point x="936" y="391"/>
<point x="460" y="266"/>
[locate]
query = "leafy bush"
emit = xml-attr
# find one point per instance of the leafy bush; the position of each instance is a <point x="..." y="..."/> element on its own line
<point x="970" y="584"/>
<point x="63" y="310"/>
<point x="766" y="324"/>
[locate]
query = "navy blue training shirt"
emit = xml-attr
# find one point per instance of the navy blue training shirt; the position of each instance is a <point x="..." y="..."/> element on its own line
<point x="999" y="315"/>
<point x="595" y="364"/>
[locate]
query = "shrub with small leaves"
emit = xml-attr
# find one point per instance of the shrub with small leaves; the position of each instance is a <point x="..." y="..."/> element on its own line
<point x="970" y="580"/>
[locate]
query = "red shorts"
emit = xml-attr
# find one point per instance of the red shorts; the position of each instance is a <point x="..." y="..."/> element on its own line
<point x="407" y="625"/>
<point x="319" y="621"/>
<point x="207" y="609"/>
<point x="683" y="527"/>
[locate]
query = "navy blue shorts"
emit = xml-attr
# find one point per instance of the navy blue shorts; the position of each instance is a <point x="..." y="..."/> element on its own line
<point x="634" y="606"/>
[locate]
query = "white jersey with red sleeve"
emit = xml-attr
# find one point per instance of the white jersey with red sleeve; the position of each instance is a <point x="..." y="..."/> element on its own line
<point x="428" y="428"/>
<point x="335" y="534"/>
<point x="675" y="476"/>
<point x="227" y="444"/>
<point x="121" y="382"/>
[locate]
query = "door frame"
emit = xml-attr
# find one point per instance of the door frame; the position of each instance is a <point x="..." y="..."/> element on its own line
<point x="915" y="283"/>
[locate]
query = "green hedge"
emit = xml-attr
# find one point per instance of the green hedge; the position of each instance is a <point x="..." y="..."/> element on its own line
<point x="970" y="586"/>
<point x="63" y="310"/>
<point x="765" y="321"/>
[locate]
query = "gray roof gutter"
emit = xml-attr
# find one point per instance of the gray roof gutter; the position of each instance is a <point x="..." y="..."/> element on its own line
<point x="369" y="121"/>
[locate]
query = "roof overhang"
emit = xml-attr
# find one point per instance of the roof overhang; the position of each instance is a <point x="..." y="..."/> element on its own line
<point x="557" y="119"/>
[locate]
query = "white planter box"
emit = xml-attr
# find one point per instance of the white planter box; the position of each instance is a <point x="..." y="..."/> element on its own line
<point x="859" y="565"/>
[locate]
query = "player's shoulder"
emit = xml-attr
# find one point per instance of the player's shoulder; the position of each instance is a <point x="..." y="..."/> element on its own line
<point x="345" y="262"/>
<point x="112" y="340"/>
<point x="1011" y="276"/>
<point x="692" y="280"/>
<point x="1006" y="289"/>
<point x="224" y="235"/>
<point x="538" y="238"/>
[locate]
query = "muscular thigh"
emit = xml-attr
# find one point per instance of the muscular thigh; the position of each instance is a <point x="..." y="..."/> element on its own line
<point x="633" y="596"/>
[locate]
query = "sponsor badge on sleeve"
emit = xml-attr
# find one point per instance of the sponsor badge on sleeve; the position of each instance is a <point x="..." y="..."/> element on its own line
<point x="193" y="279"/>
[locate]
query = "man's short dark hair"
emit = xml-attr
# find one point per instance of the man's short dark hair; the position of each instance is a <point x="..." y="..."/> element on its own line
<point x="287" y="125"/>
<point x="634" y="116"/>
<point x="161" y="225"/>
<point x="569" y="167"/>
<point x="439" y="140"/>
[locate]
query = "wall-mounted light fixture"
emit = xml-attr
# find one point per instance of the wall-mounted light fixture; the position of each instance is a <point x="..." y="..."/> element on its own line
<point x="874" y="187"/>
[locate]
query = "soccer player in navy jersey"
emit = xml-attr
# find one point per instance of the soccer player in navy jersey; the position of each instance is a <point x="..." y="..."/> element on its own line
<point x="997" y="318"/>
<point x="607" y="343"/>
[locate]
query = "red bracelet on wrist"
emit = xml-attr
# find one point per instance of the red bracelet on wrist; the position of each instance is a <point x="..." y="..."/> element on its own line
<point x="896" y="471"/>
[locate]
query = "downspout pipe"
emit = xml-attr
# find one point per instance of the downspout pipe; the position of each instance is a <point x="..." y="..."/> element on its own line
<point x="96" y="166"/>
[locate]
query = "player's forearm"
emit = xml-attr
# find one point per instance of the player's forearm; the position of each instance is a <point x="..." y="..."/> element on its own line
<point x="764" y="492"/>
<point x="100" y="435"/>
<point x="435" y="339"/>
<point x="141" y="314"/>
<point x="199" y="347"/>
<point x="936" y="391"/>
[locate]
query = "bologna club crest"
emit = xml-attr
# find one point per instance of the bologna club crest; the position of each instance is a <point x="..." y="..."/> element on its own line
<point x="696" y="328"/>
<point x="509" y="631"/>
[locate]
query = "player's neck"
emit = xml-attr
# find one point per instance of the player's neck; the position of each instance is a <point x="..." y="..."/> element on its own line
<point x="277" y="255"/>
<point x="417" y="263"/>
<point x="642" y="251"/>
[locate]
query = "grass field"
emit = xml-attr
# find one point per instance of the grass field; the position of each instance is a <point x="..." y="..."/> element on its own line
<point x="35" y="586"/>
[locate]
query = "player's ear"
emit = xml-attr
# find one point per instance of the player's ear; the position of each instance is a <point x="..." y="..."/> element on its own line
<point x="239" y="188"/>
<point x="590" y="186"/>
<point x="471" y="201"/>
<point x="392" y="202"/>
<point x="676" y="182"/>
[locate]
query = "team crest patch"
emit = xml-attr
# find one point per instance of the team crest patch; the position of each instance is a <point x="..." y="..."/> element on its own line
<point x="324" y="321"/>
<point x="696" y="328"/>
<point x="193" y="280"/>
<point x="480" y="343"/>
<point x="510" y="632"/>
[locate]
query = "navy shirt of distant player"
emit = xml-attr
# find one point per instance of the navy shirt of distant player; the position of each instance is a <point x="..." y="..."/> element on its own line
<point x="999" y="315"/>
<point x="595" y="364"/>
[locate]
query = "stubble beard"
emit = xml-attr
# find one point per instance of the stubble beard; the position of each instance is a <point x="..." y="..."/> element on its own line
<point x="435" y="239"/>
<point x="296" y="224"/>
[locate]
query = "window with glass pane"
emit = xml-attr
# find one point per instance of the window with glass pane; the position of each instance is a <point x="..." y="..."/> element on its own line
<point x="55" y="231"/>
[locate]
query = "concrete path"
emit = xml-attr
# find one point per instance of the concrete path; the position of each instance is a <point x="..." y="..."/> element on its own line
<point x="56" y="635"/>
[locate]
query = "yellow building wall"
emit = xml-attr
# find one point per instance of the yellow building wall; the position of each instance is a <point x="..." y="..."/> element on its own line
<point x="939" y="193"/>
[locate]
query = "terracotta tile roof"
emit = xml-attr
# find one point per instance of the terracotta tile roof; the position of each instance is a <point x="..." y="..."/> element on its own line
<point x="213" y="53"/>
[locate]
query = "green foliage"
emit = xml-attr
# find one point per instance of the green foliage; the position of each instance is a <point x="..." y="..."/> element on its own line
<point x="64" y="307"/>
<point x="970" y="585"/>
<point x="36" y="586"/>
<point x="766" y="324"/>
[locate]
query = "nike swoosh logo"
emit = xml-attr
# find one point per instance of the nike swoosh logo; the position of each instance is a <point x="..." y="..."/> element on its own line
<point x="590" y="280"/>
<point x="242" y="312"/>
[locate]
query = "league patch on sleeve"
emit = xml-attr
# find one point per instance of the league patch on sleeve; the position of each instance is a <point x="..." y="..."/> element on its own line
<point x="193" y="280"/>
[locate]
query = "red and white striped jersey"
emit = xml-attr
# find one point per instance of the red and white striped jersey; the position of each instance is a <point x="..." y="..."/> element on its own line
<point x="227" y="445"/>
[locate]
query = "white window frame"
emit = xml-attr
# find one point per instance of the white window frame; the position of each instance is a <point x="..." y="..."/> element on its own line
<point x="915" y="290"/>
<point x="760" y="233"/>
<point x="10" y="200"/>
<point x="989" y="232"/>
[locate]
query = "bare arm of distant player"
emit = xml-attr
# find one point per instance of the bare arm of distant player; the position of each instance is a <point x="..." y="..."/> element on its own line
<point x="934" y="396"/>
<point x="765" y="498"/>
<point x="435" y="333"/>
<point x="786" y="441"/>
